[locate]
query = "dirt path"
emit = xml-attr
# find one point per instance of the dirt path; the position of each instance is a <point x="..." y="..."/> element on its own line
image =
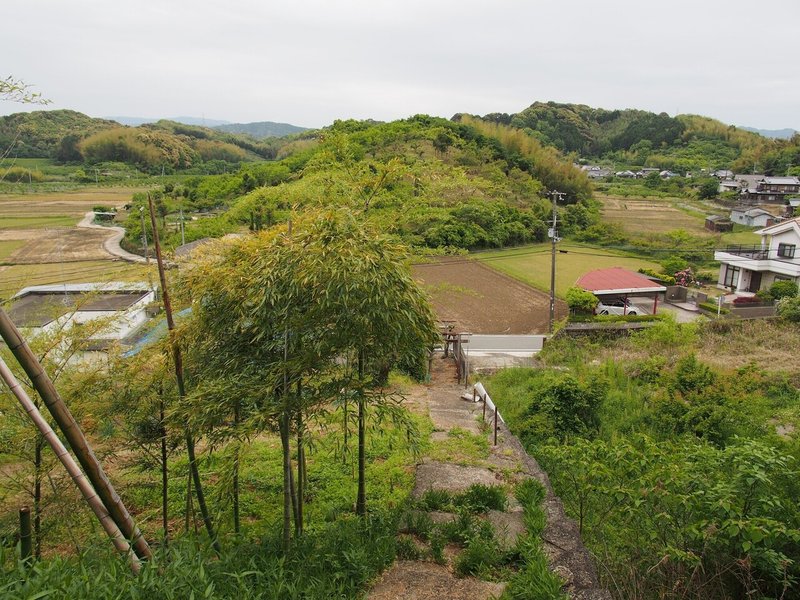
<point x="114" y="236"/>
<point x="506" y="463"/>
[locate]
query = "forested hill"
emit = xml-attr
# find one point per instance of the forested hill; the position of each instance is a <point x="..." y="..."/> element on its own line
<point x="69" y="136"/>
<point x="261" y="129"/>
<point x="432" y="182"/>
<point x="38" y="134"/>
<point x="683" y="143"/>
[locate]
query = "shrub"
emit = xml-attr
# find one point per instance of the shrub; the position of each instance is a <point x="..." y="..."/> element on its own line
<point x="673" y="264"/>
<point x="580" y="300"/>
<point x="789" y="308"/>
<point x="21" y="175"/>
<point x="782" y="289"/>
<point x="691" y="375"/>
<point x="712" y="307"/>
<point x="663" y="277"/>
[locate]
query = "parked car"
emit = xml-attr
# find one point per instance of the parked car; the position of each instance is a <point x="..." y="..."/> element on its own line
<point x="617" y="307"/>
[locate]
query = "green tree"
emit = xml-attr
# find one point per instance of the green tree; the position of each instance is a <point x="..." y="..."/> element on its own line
<point x="708" y="188"/>
<point x="291" y="317"/>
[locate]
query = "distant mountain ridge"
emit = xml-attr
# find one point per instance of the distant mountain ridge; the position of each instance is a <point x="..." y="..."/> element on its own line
<point x="261" y="129"/>
<point x="200" y="121"/>
<point x="777" y="134"/>
<point x="258" y="130"/>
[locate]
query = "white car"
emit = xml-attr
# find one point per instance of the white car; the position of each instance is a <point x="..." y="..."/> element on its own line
<point x="617" y="307"/>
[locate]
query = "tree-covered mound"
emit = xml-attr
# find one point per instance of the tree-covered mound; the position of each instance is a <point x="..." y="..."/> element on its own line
<point x="69" y="136"/>
<point x="38" y="134"/>
<point x="431" y="182"/>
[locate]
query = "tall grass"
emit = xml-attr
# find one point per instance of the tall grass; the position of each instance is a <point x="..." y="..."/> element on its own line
<point x="336" y="562"/>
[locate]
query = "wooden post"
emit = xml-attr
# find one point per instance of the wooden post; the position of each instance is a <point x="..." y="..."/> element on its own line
<point x="25" y="535"/>
<point x="72" y="432"/>
<point x="484" y="407"/>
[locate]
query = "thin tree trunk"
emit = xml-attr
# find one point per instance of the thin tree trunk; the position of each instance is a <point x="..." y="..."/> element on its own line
<point x="361" y="501"/>
<point x="164" y="475"/>
<point x="346" y="431"/>
<point x="293" y="494"/>
<point x="37" y="497"/>
<point x="236" y="419"/>
<point x="189" y="512"/>
<point x="73" y="434"/>
<point x="300" y="467"/>
<point x="287" y="471"/>
<point x="176" y="354"/>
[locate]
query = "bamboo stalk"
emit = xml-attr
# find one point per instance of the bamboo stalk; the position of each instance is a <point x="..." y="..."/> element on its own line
<point x="25" y="534"/>
<point x="72" y="432"/>
<point x="86" y="489"/>
<point x="178" y="358"/>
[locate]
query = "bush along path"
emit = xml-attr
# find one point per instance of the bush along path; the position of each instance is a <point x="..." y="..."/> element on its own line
<point x="483" y="521"/>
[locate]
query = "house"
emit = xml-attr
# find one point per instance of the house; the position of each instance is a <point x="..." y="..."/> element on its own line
<point x="718" y="223"/>
<point x="747" y="269"/>
<point x="595" y="171"/>
<point x="107" y="312"/>
<point x="753" y="217"/>
<point x="729" y="185"/>
<point x="770" y="190"/>
<point x="723" y="174"/>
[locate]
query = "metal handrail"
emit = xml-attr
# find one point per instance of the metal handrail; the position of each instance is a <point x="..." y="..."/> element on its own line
<point x="479" y="392"/>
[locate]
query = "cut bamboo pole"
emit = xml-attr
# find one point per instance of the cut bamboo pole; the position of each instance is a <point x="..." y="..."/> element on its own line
<point x="73" y="434"/>
<point x="89" y="493"/>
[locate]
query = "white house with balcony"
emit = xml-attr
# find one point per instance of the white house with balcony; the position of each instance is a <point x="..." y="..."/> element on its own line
<point x="747" y="269"/>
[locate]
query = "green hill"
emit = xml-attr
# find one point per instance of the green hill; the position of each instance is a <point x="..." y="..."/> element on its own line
<point x="433" y="183"/>
<point x="682" y="143"/>
<point x="38" y="134"/>
<point x="261" y="129"/>
<point x="69" y="136"/>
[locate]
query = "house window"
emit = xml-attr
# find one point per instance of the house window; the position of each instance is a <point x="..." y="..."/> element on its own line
<point x="786" y="250"/>
<point x="731" y="276"/>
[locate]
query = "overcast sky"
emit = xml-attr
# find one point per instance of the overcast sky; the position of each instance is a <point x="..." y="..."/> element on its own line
<point x="309" y="62"/>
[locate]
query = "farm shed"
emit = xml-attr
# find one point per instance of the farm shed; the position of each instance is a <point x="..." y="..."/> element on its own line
<point x="718" y="223"/>
<point x="617" y="283"/>
<point x="119" y="308"/>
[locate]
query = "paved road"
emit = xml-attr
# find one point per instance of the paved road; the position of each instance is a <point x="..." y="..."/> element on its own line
<point x="505" y="343"/>
<point x="111" y="245"/>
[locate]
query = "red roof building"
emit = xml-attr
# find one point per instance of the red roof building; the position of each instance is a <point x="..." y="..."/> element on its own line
<point x="619" y="281"/>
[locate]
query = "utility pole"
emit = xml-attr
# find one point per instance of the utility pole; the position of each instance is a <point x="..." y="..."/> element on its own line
<point x="144" y="236"/>
<point x="553" y="233"/>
